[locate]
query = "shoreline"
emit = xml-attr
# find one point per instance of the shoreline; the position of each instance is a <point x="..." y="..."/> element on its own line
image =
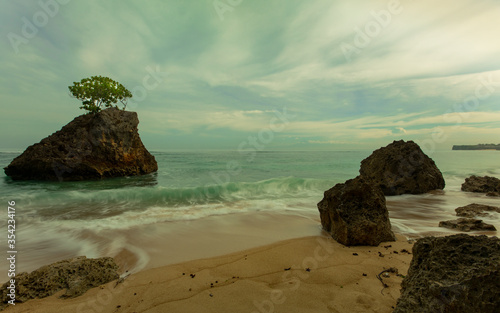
<point x="313" y="273"/>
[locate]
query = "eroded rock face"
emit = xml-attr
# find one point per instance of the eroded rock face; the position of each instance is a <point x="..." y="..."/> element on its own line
<point x="467" y="224"/>
<point x="402" y="168"/>
<point x="92" y="146"/>
<point x="452" y="274"/>
<point x="475" y="209"/>
<point x="76" y="275"/>
<point x="481" y="184"/>
<point x="354" y="213"/>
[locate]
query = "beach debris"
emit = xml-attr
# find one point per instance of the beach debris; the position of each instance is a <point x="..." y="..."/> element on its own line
<point x="122" y="279"/>
<point x="458" y="273"/>
<point x="402" y="168"/>
<point x="286" y="269"/>
<point x="355" y="253"/>
<point x="380" y="254"/>
<point x="481" y="184"/>
<point x="474" y="209"/>
<point x="308" y="269"/>
<point x="467" y="224"/>
<point x="355" y="213"/>
<point x="76" y="275"/>
<point x="364" y="274"/>
<point x="192" y="275"/>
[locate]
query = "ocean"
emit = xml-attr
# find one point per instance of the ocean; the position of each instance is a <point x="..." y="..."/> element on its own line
<point x="203" y="204"/>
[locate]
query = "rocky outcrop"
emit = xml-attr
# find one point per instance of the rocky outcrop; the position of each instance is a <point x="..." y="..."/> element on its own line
<point x="481" y="184"/>
<point x="493" y="194"/>
<point x="76" y="275"/>
<point x="355" y="213"/>
<point x="452" y="274"/>
<point x="92" y="146"/>
<point x="467" y="224"/>
<point x="402" y="168"/>
<point x="475" y="209"/>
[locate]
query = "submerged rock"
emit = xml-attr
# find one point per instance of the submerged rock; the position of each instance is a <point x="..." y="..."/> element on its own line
<point x="467" y="224"/>
<point x="475" y="209"/>
<point x="452" y="274"/>
<point x="92" y="146"/>
<point x="76" y="275"/>
<point x="402" y="168"/>
<point x="481" y="184"/>
<point x="355" y="213"/>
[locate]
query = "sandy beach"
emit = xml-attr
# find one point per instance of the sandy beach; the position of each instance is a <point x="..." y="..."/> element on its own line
<point x="308" y="274"/>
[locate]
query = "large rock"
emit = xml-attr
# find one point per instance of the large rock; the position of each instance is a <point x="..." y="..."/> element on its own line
<point x="481" y="184"/>
<point x="354" y="213"/>
<point x="475" y="209"/>
<point x="458" y="273"/>
<point x="92" y="146"/>
<point x="402" y="167"/>
<point x="467" y="224"/>
<point x="76" y="275"/>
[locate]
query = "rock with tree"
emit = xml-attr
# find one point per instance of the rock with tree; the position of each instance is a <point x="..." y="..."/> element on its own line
<point x="402" y="168"/>
<point x="92" y="146"/>
<point x="355" y="213"/>
<point x="452" y="274"/>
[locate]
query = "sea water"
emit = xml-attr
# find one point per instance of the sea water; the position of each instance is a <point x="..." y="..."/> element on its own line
<point x="201" y="204"/>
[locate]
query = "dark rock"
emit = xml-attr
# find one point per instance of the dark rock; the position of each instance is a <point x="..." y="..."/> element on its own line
<point x="467" y="224"/>
<point x="452" y="274"/>
<point x="493" y="194"/>
<point x="92" y="146"/>
<point x="481" y="184"/>
<point x="402" y="167"/>
<point x="76" y="275"/>
<point x="354" y="213"/>
<point x="475" y="209"/>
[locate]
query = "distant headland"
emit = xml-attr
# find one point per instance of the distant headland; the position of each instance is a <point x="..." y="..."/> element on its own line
<point x="481" y="146"/>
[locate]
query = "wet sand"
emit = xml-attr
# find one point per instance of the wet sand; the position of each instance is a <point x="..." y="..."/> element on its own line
<point x="308" y="274"/>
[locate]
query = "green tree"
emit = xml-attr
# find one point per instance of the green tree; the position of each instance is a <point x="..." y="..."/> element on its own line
<point x="98" y="92"/>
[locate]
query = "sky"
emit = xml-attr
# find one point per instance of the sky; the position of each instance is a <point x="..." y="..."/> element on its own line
<point x="259" y="74"/>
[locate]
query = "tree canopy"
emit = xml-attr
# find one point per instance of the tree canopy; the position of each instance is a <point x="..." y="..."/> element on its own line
<point x="98" y="92"/>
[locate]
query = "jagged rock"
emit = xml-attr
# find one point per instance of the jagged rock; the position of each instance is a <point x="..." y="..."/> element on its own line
<point x="402" y="167"/>
<point x="452" y="274"/>
<point x="467" y="224"/>
<point x="76" y="275"/>
<point x="354" y="213"/>
<point x="92" y="146"/>
<point x="475" y="209"/>
<point x="493" y="194"/>
<point x="481" y="184"/>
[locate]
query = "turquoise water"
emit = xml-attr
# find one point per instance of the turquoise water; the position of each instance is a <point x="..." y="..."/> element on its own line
<point x="66" y="218"/>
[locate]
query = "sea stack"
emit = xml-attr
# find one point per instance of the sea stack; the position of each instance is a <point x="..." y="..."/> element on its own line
<point x="355" y="213"/>
<point x="402" y="168"/>
<point x="92" y="146"/>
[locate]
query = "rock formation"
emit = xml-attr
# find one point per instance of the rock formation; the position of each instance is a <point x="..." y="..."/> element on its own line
<point x="467" y="224"/>
<point x="475" y="209"/>
<point x="402" y="167"/>
<point x="481" y="184"/>
<point x="452" y="274"/>
<point x="92" y="146"/>
<point x="354" y="213"/>
<point x="76" y="275"/>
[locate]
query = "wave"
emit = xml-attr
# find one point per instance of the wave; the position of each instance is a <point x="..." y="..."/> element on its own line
<point x="83" y="204"/>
